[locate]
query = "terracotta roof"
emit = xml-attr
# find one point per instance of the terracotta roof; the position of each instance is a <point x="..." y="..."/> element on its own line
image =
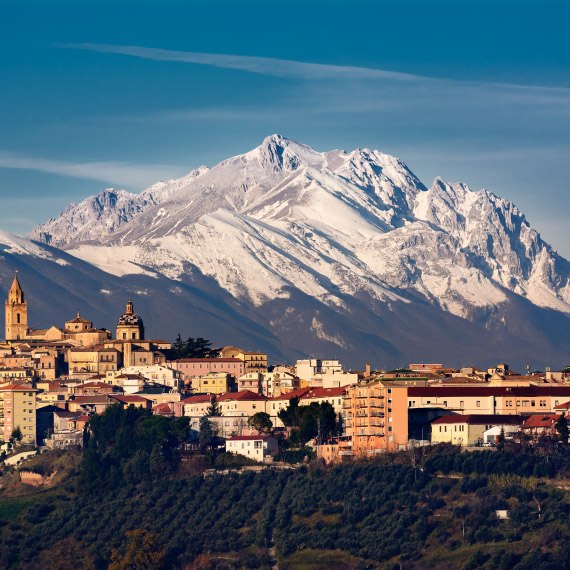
<point x="164" y="407"/>
<point x="564" y="406"/>
<point x="97" y="399"/>
<point x="324" y="393"/>
<point x="298" y="393"/>
<point x="78" y="320"/>
<point x="17" y="388"/>
<point x="66" y="414"/>
<point x="479" y="419"/>
<point x="522" y="391"/>
<point x="239" y="396"/>
<point x="198" y="399"/>
<point x="129" y="399"/>
<point x="540" y="420"/>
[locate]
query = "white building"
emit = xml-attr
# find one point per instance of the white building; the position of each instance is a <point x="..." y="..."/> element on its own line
<point x="257" y="447"/>
<point x="157" y="374"/>
<point x="309" y="368"/>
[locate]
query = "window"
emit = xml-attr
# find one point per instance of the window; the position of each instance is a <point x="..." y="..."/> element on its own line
<point x="461" y="404"/>
<point x="478" y="403"/>
<point x="18" y="318"/>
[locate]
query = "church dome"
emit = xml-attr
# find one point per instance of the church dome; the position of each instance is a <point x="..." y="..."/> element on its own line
<point x="129" y="318"/>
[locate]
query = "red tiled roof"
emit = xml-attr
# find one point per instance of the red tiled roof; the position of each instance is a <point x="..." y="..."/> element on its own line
<point x="17" y="388"/>
<point x="324" y="393"/>
<point x="240" y="396"/>
<point x="164" y="407"/>
<point x="564" y="406"/>
<point x="198" y="399"/>
<point x="97" y="399"/>
<point x="129" y="399"/>
<point x="479" y="419"/>
<point x="298" y="393"/>
<point x="517" y="391"/>
<point x="540" y="420"/>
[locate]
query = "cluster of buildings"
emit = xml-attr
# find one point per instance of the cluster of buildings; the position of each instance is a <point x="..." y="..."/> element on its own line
<point x="53" y="380"/>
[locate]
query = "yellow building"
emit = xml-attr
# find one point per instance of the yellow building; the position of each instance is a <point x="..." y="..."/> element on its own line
<point x="253" y="361"/>
<point x="467" y="430"/>
<point x="84" y="362"/>
<point x="18" y="410"/>
<point x="212" y="383"/>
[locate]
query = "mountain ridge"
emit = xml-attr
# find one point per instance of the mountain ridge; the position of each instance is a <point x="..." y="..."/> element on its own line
<point x="334" y="226"/>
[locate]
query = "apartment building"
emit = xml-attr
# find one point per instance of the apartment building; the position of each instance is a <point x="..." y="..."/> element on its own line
<point x="18" y="409"/>
<point x="376" y="419"/>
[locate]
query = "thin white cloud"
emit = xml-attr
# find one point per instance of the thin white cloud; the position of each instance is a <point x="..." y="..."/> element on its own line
<point x="116" y="173"/>
<point x="304" y="70"/>
<point x="261" y="65"/>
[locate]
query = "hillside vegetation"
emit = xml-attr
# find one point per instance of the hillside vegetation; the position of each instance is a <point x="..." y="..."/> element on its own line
<point x="430" y="508"/>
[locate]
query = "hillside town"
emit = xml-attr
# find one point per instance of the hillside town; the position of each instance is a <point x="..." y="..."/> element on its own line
<point x="54" y="381"/>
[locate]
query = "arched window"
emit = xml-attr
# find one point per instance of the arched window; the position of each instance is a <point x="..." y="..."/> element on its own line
<point x="18" y="318"/>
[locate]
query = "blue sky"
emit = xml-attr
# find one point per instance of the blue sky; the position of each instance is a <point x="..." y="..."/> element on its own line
<point x="99" y="94"/>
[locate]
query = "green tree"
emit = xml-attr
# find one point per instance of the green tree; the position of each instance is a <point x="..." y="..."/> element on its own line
<point x="208" y="437"/>
<point x="178" y="347"/>
<point x="561" y="426"/>
<point x="16" y="435"/>
<point x="260" y="422"/>
<point x="213" y="409"/>
<point x="291" y="415"/>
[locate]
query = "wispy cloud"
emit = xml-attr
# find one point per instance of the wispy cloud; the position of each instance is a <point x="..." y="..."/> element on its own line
<point x="262" y="65"/>
<point x="305" y="70"/>
<point x="116" y="173"/>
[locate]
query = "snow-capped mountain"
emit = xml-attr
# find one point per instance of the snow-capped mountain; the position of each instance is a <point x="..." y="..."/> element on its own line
<point x="284" y="222"/>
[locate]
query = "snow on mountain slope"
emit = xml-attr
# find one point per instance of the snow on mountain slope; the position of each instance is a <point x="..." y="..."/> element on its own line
<point x="15" y="245"/>
<point x="284" y="217"/>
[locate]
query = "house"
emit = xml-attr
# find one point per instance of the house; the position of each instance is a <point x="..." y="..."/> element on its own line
<point x="213" y="383"/>
<point x="132" y="400"/>
<point x="468" y="430"/>
<point x="96" y="404"/>
<point x="244" y="403"/>
<point x="157" y="374"/>
<point x="253" y="361"/>
<point x="541" y="424"/>
<point x="92" y="388"/>
<point x="165" y="409"/>
<point x="192" y="367"/>
<point x="257" y="447"/>
<point x="492" y="435"/>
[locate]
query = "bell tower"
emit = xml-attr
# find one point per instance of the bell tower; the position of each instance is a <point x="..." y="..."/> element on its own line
<point x="16" y="312"/>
